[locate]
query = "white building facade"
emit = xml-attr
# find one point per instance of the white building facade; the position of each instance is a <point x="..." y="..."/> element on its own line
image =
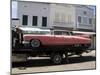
<point x="55" y="16"/>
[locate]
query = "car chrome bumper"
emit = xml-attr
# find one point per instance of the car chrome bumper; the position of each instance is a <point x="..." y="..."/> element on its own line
<point x="25" y="42"/>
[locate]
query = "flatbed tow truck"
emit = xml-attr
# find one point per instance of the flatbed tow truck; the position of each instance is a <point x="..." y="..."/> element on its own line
<point x="56" y="53"/>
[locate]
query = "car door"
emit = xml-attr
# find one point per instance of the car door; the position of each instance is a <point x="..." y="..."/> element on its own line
<point x="59" y="39"/>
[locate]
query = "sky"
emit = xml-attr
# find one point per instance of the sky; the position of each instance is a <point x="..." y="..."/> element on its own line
<point x="14" y="9"/>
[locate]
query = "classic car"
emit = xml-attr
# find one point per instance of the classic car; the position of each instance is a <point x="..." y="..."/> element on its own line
<point x="36" y="37"/>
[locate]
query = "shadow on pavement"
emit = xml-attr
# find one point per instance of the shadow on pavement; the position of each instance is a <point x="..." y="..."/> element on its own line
<point x="47" y="62"/>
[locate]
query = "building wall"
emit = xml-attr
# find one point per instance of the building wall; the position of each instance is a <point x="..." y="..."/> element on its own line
<point x="15" y="22"/>
<point x="58" y="15"/>
<point x="85" y="14"/>
<point x="34" y="9"/>
<point x="63" y="15"/>
<point x="94" y="23"/>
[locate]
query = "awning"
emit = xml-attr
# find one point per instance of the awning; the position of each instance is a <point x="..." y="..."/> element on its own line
<point x="81" y="32"/>
<point x="32" y="29"/>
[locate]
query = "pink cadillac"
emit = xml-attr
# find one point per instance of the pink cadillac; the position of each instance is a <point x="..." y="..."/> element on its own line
<point x="36" y="37"/>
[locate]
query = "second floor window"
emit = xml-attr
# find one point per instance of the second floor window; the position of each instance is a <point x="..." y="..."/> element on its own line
<point x="34" y="20"/>
<point x="57" y="16"/>
<point x="25" y="20"/>
<point x="44" y="21"/>
<point x="79" y="19"/>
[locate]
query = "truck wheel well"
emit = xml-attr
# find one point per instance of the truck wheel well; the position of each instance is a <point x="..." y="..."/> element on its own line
<point x="36" y="39"/>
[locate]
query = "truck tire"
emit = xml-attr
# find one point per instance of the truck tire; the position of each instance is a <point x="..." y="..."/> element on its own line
<point x="56" y="58"/>
<point x="35" y="43"/>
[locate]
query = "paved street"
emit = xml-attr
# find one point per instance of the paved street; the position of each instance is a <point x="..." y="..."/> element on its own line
<point x="44" y="65"/>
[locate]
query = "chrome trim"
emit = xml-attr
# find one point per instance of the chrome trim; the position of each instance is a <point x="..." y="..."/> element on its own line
<point x="25" y="42"/>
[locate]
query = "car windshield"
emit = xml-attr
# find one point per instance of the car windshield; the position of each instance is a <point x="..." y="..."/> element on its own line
<point x="63" y="32"/>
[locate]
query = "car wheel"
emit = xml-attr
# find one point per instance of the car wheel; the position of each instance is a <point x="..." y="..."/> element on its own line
<point x="35" y="43"/>
<point x="56" y="58"/>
